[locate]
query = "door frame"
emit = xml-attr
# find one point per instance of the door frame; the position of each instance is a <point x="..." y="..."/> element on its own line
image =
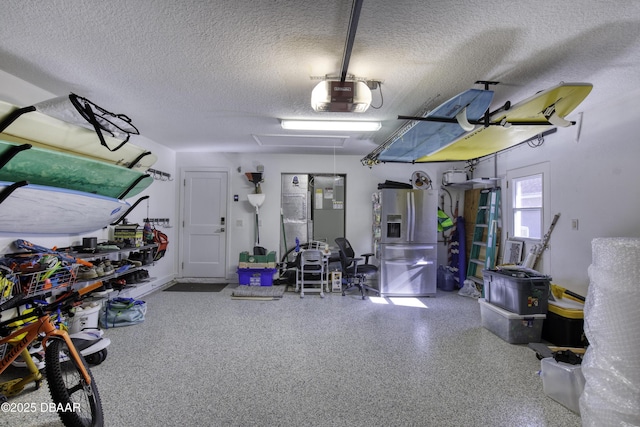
<point x="180" y="234"/>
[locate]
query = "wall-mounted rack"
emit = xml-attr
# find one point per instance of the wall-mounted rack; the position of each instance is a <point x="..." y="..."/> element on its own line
<point x="159" y="222"/>
<point x="123" y="218"/>
<point x="159" y="175"/>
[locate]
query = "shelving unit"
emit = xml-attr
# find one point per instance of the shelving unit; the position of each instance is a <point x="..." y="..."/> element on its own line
<point x="45" y="274"/>
<point x="60" y="278"/>
<point x="114" y="255"/>
<point x="104" y="254"/>
<point x="475" y="183"/>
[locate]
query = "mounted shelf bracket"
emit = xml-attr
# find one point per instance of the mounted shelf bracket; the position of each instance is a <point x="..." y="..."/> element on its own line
<point x="10" y="189"/>
<point x="132" y="186"/>
<point x="12" y="152"/>
<point x="14" y="115"/>
<point x="137" y="159"/>
<point x="122" y="218"/>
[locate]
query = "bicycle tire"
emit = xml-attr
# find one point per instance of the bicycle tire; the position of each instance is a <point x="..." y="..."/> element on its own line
<point x="77" y="403"/>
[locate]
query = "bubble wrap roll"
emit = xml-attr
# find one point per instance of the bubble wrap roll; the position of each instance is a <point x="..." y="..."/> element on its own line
<point x="611" y="366"/>
<point x="612" y="317"/>
<point x="621" y="254"/>
<point x="609" y="397"/>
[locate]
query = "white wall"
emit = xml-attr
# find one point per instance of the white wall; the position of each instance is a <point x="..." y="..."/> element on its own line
<point x="361" y="183"/>
<point x="593" y="180"/>
<point x="162" y="195"/>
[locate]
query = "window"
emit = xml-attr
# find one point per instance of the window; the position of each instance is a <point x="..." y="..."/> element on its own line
<point x="528" y="201"/>
<point x="527" y="206"/>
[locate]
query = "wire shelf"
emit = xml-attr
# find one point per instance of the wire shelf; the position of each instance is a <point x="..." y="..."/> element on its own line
<point x="58" y="276"/>
<point x="8" y="281"/>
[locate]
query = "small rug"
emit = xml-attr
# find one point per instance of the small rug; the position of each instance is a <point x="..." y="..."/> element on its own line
<point x="196" y="287"/>
<point x="264" y="293"/>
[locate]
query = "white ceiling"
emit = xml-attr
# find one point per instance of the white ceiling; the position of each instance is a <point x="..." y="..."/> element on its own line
<point x="218" y="75"/>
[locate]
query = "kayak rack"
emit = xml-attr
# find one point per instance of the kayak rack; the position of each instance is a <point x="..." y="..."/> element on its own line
<point x="124" y="216"/>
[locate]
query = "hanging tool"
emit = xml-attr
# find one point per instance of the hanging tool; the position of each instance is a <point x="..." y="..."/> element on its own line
<point x="537" y="250"/>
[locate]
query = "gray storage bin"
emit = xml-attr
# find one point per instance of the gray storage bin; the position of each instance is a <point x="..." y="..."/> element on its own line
<point x="511" y="327"/>
<point x="520" y="290"/>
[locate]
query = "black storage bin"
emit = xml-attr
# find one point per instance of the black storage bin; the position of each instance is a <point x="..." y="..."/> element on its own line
<point x="564" y="327"/>
<point x="519" y="290"/>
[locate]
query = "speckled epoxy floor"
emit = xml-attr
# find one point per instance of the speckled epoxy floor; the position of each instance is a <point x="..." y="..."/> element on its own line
<point x="203" y="359"/>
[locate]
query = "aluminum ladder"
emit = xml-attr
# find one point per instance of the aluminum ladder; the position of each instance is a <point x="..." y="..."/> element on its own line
<point x="485" y="236"/>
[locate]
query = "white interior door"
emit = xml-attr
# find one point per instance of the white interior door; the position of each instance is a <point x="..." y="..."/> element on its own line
<point x="204" y="224"/>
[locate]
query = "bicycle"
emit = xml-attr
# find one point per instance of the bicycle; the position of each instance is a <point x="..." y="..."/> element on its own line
<point x="71" y="384"/>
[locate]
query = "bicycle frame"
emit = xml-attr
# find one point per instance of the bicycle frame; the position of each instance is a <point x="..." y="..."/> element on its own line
<point x="41" y="325"/>
<point x="14" y="387"/>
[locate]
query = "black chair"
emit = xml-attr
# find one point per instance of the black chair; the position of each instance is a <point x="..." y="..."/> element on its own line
<point x="354" y="274"/>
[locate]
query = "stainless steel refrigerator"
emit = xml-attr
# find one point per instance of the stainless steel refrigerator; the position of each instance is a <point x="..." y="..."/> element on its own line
<point x="405" y="235"/>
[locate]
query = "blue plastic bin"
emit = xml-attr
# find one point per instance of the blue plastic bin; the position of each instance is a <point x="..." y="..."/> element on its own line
<point x="256" y="276"/>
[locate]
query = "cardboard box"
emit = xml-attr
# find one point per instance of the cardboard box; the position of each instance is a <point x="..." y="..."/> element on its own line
<point x="454" y="177"/>
<point x="129" y="234"/>
<point x="336" y="281"/>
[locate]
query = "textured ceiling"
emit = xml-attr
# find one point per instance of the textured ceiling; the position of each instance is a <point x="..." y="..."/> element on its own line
<point x="199" y="75"/>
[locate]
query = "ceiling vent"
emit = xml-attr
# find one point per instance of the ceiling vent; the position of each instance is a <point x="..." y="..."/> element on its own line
<point x="341" y="97"/>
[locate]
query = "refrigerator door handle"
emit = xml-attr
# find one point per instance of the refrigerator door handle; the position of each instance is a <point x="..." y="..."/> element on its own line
<point x="412" y="265"/>
<point x="409" y="218"/>
<point x="403" y="247"/>
<point x="413" y="216"/>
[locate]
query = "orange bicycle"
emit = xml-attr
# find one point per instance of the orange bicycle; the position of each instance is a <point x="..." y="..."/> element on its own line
<point x="73" y="389"/>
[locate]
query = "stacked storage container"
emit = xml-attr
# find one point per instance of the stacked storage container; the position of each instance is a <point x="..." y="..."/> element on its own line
<point x="256" y="270"/>
<point x="564" y="325"/>
<point x="515" y="303"/>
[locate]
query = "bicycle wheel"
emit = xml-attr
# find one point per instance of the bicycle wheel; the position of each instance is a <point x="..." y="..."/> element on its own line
<point x="77" y="403"/>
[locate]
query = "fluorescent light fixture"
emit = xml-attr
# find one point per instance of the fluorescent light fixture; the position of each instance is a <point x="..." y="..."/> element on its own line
<point x="328" y="125"/>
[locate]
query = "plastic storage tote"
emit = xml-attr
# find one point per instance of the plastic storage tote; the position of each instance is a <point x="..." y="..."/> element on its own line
<point x="85" y="317"/>
<point x="522" y="291"/>
<point x="248" y="260"/>
<point x="511" y="327"/>
<point x="256" y="276"/>
<point x="562" y="382"/>
<point x="564" y="325"/>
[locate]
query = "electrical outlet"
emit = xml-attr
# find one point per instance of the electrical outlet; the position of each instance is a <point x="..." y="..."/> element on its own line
<point x="574" y="224"/>
<point x="238" y="223"/>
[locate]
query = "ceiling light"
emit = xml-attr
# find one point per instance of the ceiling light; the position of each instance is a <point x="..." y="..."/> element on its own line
<point x="341" y="97"/>
<point x="328" y="125"/>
